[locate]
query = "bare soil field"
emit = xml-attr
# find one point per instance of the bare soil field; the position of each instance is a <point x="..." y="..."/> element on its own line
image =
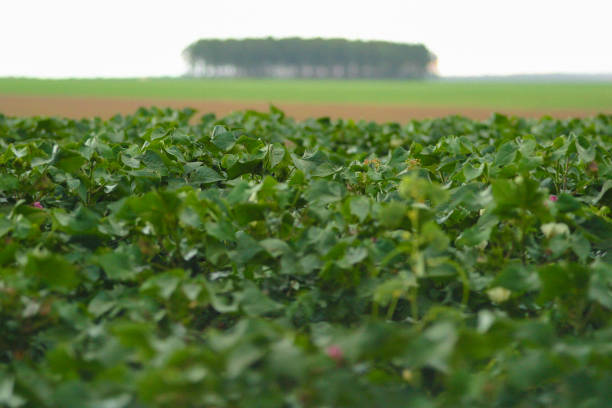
<point x="77" y="107"/>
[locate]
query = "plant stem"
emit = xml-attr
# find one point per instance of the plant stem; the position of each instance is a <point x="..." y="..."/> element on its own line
<point x="565" y="170"/>
<point x="414" y="305"/>
<point x="90" y="187"/>
<point x="391" y="309"/>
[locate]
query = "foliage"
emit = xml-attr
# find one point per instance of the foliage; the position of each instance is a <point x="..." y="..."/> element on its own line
<point x="308" y="58"/>
<point x="255" y="261"/>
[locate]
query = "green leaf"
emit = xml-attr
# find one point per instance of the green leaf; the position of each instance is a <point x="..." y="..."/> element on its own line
<point x="352" y="256"/>
<point x="479" y="233"/>
<point x="470" y="172"/>
<point x="360" y="207"/>
<point x="275" y="155"/>
<point x="604" y="189"/>
<point x="390" y="289"/>
<point x="567" y="203"/>
<point x="121" y="264"/>
<point x="324" y="192"/>
<point x="315" y="164"/>
<point x="581" y="246"/>
<point x="506" y="154"/>
<point x="101" y="304"/>
<point x="255" y="303"/>
<point x="275" y="247"/>
<point x="5" y="226"/>
<point x="223" y="139"/>
<point x="532" y="368"/>
<point x="586" y="155"/>
<point x="222" y="230"/>
<point x="205" y="175"/>
<point x="52" y="270"/>
<point x="8" y="182"/>
<point x="600" y="284"/>
<point x="559" y="280"/>
<point x="8" y="397"/>
<point x="130" y="161"/>
<point x="153" y="161"/>
<point x="247" y="247"/>
<point x="391" y="215"/>
<point x="81" y="221"/>
<point x="70" y="161"/>
<point x="164" y="284"/>
<point x="517" y="278"/>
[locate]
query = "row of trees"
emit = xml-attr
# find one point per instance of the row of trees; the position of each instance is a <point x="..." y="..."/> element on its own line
<point x="308" y="58"/>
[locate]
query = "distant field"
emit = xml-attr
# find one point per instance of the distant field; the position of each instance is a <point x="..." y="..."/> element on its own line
<point x="488" y="95"/>
<point x="381" y="101"/>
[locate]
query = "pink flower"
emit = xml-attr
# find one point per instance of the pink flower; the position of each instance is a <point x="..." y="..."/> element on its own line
<point x="335" y="353"/>
<point x="37" y="204"/>
<point x="553" y="198"/>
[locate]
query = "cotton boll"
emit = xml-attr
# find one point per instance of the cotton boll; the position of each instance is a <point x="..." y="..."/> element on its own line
<point x="499" y="294"/>
<point x="552" y="229"/>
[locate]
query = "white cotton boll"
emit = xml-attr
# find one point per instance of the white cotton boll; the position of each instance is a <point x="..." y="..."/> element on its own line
<point x="552" y="229"/>
<point x="499" y="294"/>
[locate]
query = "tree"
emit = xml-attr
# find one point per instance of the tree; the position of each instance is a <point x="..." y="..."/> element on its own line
<point x="308" y="58"/>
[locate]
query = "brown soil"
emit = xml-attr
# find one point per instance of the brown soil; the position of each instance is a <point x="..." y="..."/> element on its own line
<point x="76" y="107"/>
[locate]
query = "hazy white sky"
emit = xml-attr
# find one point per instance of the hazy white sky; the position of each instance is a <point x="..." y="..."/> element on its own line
<point x="89" y="38"/>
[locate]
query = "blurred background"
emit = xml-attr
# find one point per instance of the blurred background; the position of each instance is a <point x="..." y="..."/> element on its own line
<point x="387" y="60"/>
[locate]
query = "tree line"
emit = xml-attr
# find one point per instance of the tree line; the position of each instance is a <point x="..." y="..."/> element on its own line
<point x="308" y="58"/>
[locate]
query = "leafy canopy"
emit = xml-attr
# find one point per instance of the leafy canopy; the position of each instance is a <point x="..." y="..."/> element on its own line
<point x="253" y="260"/>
